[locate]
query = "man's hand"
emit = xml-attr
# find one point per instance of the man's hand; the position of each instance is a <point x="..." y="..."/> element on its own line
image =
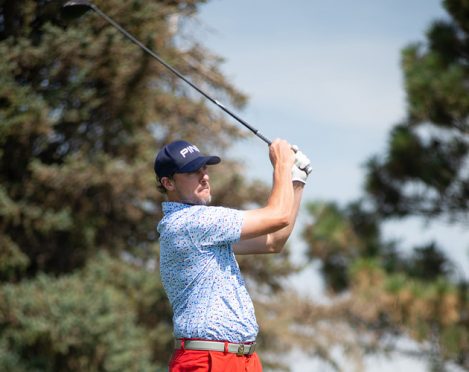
<point x="280" y="153"/>
<point x="301" y="163"/>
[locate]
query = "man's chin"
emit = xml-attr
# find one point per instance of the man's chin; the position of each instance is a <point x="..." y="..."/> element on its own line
<point x="205" y="197"/>
<point x="205" y="200"/>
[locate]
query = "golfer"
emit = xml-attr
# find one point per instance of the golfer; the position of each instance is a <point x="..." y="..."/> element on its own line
<point x="214" y="322"/>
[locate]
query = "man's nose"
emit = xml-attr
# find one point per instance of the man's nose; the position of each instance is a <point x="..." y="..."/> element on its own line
<point x="204" y="173"/>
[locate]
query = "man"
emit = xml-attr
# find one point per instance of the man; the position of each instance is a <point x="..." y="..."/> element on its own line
<point x="214" y="321"/>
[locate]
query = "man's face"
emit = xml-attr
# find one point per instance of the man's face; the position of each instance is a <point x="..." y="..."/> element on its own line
<point x="191" y="187"/>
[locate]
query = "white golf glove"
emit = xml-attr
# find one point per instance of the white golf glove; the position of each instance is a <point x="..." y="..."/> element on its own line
<point x="301" y="163"/>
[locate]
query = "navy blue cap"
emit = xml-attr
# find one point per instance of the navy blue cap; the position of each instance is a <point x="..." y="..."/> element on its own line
<point x="181" y="157"/>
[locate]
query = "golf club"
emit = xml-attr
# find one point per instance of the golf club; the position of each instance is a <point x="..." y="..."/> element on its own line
<point x="76" y="8"/>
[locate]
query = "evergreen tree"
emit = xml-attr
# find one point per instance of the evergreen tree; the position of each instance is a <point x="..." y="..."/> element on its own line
<point x="423" y="173"/>
<point x="82" y="113"/>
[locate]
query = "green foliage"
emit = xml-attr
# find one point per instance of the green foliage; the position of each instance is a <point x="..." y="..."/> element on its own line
<point x="82" y="113"/>
<point x="431" y="311"/>
<point x="338" y="236"/>
<point x="390" y="293"/>
<point x="92" y="320"/>
<point x="422" y="173"/>
<point x="332" y="240"/>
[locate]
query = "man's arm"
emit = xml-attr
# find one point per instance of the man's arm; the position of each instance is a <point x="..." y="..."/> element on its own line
<point x="276" y="214"/>
<point x="272" y="242"/>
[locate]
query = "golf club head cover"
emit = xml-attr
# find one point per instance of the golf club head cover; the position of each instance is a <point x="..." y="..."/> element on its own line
<point x="301" y="163"/>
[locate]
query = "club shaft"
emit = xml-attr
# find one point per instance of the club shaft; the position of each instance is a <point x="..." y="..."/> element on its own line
<point x="178" y="74"/>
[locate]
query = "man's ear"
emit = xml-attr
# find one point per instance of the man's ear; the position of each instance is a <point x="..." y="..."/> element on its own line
<point x="167" y="183"/>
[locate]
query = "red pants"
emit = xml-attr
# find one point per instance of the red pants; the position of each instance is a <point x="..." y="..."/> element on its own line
<point x="213" y="361"/>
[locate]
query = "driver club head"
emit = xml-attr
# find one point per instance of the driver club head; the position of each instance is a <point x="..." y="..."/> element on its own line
<point x="76" y="8"/>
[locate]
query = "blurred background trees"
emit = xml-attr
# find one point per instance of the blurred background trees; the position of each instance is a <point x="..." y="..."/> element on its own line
<point x="423" y="172"/>
<point x="82" y="114"/>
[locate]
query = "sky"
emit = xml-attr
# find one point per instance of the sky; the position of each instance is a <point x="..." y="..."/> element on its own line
<point x="322" y="75"/>
<point x="326" y="76"/>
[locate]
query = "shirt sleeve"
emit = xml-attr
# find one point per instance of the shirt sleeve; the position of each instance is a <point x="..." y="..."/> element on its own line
<point x="215" y="226"/>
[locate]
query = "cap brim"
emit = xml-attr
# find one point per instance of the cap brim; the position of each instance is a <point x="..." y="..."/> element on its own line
<point x="198" y="163"/>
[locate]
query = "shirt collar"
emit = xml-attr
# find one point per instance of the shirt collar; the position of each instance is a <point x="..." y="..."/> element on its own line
<point x="171" y="207"/>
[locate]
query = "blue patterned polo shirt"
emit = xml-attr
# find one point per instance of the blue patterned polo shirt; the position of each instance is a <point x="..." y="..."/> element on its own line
<point x="201" y="275"/>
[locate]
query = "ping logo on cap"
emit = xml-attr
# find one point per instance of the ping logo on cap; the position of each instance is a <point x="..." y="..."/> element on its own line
<point x="188" y="150"/>
<point x="181" y="157"/>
